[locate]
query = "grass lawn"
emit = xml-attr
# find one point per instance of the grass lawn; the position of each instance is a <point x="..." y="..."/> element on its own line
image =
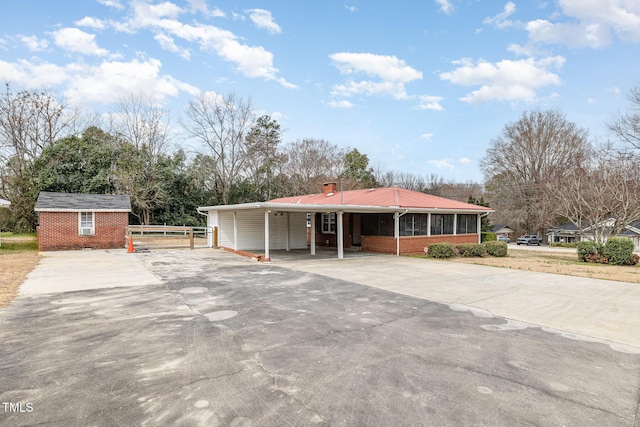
<point x="558" y="263"/>
<point x="18" y="257"/>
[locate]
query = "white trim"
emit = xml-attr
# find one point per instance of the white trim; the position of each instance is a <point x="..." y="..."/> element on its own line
<point x="91" y="230"/>
<point x="81" y="210"/>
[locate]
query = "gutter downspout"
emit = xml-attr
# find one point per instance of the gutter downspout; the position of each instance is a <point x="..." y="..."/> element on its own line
<point x="479" y="225"/>
<point x="209" y="236"/>
<point x="397" y="229"/>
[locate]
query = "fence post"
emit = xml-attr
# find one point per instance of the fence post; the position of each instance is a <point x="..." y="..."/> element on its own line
<point x="190" y="237"/>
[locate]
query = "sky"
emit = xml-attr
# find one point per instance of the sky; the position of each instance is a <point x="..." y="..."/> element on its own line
<point x="419" y="86"/>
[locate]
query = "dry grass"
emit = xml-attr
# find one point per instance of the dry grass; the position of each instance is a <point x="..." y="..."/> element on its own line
<point x="558" y="263"/>
<point x="18" y="257"/>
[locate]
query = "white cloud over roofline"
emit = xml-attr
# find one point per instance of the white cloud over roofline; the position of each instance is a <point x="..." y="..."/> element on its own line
<point x="262" y="19"/>
<point x="392" y="74"/>
<point x="505" y="80"/>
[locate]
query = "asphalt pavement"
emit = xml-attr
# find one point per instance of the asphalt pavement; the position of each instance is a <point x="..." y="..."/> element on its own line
<point x="214" y="339"/>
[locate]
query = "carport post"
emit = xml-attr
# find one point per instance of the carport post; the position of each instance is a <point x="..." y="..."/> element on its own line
<point x="396" y="231"/>
<point x="287" y="243"/>
<point x="340" y="236"/>
<point x="312" y="233"/>
<point x="266" y="236"/>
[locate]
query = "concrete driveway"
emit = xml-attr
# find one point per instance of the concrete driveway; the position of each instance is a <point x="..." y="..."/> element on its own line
<point x="213" y="339"/>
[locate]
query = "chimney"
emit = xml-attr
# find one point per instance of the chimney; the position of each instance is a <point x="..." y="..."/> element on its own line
<point x="329" y="187"/>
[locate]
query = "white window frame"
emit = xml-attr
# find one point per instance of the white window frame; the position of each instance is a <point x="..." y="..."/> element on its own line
<point x="83" y="224"/>
<point x="328" y="226"/>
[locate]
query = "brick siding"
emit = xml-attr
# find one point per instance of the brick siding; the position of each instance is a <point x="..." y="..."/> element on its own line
<point x="58" y="231"/>
<point x="412" y="244"/>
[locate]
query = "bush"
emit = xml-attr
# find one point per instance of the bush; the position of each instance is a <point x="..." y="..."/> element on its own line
<point x="619" y="251"/>
<point x="498" y="249"/>
<point x="588" y="248"/>
<point x="471" y="250"/>
<point x="562" y="245"/>
<point x="487" y="236"/>
<point x="441" y="250"/>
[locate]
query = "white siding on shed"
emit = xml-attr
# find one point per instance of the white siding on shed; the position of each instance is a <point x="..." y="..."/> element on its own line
<point x="250" y="229"/>
<point x="225" y="233"/>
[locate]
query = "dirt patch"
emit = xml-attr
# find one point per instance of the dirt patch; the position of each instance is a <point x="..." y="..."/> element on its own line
<point x="558" y="263"/>
<point x="14" y="266"/>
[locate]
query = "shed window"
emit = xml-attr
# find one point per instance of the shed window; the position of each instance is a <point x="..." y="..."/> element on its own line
<point x="467" y="224"/>
<point x="86" y="224"/>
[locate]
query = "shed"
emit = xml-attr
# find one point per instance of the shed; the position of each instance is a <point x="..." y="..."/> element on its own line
<point x="387" y="220"/>
<point x="82" y="221"/>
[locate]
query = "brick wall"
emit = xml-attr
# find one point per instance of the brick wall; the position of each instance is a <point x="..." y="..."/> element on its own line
<point x="59" y="231"/>
<point x="412" y="244"/>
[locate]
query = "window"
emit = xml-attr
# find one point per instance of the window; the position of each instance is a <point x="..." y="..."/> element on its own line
<point x="377" y="224"/>
<point x="467" y="224"/>
<point x="441" y="224"/>
<point x="413" y="225"/>
<point x="328" y="223"/>
<point x="86" y="224"/>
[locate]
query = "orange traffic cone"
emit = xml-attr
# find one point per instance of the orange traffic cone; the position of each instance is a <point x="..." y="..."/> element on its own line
<point x="130" y="250"/>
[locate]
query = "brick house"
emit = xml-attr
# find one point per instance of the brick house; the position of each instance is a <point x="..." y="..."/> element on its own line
<point x="77" y="221"/>
<point x="385" y="220"/>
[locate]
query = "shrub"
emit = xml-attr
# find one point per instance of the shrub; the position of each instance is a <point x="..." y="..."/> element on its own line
<point x="441" y="250"/>
<point x="498" y="249"/>
<point x="619" y="251"/>
<point x="487" y="236"/>
<point x="562" y="245"/>
<point x="471" y="249"/>
<point x="588" y="247"/>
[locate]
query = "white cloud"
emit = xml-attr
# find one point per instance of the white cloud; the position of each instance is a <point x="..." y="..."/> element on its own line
<point x="430" y="102"/>
<point x="91" y="22"/>
<point x="75" y="40"/>
<point x="445" y="6"/>
<point x="393" y="73"/>
<point x="168" y="44"/>
<point x="592" y="24"/>
<point x="251" y="61"/>
<point x="262" y="19"/>
<point x="505" y="80"/>
<point x="465" y="161"/>
<point x="446" y="163"/>
<point x="33" y="43"/>
<point x="104" y="83"/>
<point x="111" y="3"/>
<point x="201" y="6"/>
<point x="340" y="104"/>
<point x="426" y="137"/>
<point x="351" y="9"/>
<point x="500" y="20"/>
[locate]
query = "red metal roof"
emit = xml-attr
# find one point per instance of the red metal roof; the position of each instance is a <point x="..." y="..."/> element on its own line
<point x="380" y="197"/>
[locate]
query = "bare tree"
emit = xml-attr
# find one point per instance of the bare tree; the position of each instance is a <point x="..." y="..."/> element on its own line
<point x="263" y="157"/>
<point x="601" y="197"/>
<point x="221" y="125"/>
<point x="143" y="130"/>
<point x="626" y="126"/>
<point x="541" y="147"/>
<point x="310" y="162"/>
<point x="29" y="122"/>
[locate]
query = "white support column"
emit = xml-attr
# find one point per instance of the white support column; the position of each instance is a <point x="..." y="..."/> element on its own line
<point x="312" y="234"/>
<point x="340" y="236"/>
<point x="287" y="243"/>
<point x="455" y="224"/>
<point x="396" y="231"/>
<point x="267" y="257"/>
<point x="429" y="224"/>
<point x="479" y="228"/>
<point x="235" y="232"/>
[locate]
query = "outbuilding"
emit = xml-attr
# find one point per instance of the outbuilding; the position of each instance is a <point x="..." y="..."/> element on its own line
<point x="82" y="221"/>
<point x="386" y="220"/>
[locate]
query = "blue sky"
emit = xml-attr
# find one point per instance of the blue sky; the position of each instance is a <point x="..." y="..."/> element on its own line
<point x="419" y="86"/>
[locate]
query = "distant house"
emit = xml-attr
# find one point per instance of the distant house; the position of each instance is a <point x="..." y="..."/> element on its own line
<point x="570" y="233"/>
<point x="387" y="220"/>
<point x="504" y="231"/>
<point x="79" y="221"/>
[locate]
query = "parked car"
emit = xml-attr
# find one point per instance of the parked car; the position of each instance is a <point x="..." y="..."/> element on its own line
<point x="529" y="239"/>
<point x="504" y="239"/>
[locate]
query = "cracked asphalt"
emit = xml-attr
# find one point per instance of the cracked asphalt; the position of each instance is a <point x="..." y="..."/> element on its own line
<point x="220" y="340"/>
